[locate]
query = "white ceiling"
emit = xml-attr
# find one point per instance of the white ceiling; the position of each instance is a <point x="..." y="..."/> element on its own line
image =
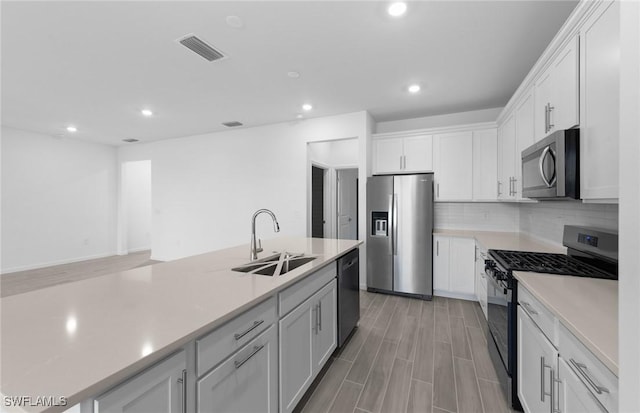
<point x="96" y="64"/>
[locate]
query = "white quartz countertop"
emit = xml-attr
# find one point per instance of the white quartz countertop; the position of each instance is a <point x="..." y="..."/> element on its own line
<point x="588" y="307"/>
<point x="78" y="339"/>
<point x="514" y="241"/>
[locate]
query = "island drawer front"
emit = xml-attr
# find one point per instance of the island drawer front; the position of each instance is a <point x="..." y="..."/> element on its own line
<point x="232" y="336"/>
<point x="600" y="381"/>
<point x="543" y="318"/>
<point x="302" y="290"/>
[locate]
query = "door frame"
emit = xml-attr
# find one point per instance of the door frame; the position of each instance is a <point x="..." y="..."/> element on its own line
<point x="328" y="198"/>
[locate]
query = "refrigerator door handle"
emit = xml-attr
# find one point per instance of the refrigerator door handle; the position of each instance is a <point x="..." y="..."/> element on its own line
<point x="390" y="225"/>
<point x="395" y="224"/>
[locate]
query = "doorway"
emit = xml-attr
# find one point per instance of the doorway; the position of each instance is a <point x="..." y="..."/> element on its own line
<point x="135" y="208"/>
<point x="347" y="203"/>
<point x="317" y="201"/>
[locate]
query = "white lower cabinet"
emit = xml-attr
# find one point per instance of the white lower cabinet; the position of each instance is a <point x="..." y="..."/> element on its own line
<point x="308" y="337"/>
<point x="246" y="382"/>
<point x="161" y="388"/>
<point x="537" y="366"/>
<point x="454" y="266"/>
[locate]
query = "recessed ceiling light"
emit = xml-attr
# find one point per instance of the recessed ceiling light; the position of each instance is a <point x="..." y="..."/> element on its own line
<point x="307" y="107"/>
<point x="293" y="74"/>
<point x="235" y="22"/>
<point x="414" y="88"/>
<point x="397" y="9"/>
<point x="299" y="116"/>
<point x="146" y="112"/>
<point x="72" y="128"/>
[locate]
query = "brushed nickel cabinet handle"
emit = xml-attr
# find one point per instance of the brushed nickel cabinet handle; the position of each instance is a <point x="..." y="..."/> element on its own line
<point x="320" y="315"/>
<point x="182" y="380"/>
<point x="529" y="308"/>
<point x="255" y="324"/>
<point x="256" y="349"/>
<point x="582" y="369"/>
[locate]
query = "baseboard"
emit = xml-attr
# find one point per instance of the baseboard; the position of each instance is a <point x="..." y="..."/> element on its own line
<point x="138" y="250"/>
<point x="363" y="287"/>
<point x="57" y="262"/>
<point x="450" y="294"/>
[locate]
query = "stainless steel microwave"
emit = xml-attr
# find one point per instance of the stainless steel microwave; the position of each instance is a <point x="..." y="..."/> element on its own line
<point x="551" y="168"/>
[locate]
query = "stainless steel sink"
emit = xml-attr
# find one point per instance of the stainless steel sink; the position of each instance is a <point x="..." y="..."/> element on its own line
<point x="275" y="265"/>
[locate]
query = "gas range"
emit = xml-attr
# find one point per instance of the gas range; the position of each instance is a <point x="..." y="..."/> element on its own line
<point x="560" y="264"/>
<point x="590" y="253"/>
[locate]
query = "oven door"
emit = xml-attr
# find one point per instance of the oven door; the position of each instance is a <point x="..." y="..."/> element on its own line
<point x="498" y="304"/>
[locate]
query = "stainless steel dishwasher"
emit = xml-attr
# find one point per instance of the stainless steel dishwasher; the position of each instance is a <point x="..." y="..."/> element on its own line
<point x="348" y="294"/>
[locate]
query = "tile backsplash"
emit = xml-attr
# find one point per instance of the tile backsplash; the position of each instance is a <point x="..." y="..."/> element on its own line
<point x="476" y="216"/>
<point x="546" y="220"/>
<point x="543" y="220"/>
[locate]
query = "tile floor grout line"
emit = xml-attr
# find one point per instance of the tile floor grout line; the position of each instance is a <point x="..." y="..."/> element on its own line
<point x="453" y="360"/>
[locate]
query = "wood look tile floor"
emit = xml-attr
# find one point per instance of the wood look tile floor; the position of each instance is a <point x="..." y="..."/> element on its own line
<point x="25" y="281"/>
<point x="409" y="355"/>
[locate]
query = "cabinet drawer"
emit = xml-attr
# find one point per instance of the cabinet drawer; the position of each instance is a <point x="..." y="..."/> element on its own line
<point x="602" y="383"/>
<point x="539" y="314"/>
<point x="302" y="290"/>
<point x="246" y="382"/>
<point x="217" y="345"/>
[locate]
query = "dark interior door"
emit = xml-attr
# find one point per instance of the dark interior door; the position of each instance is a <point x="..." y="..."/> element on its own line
<point x="317" y="202"/>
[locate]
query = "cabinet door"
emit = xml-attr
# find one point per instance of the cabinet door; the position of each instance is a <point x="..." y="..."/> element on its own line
<point x="247" y="382"/>
<point x="296" y="354"/>
<point x="506" y="158"/>
<point x="418" y="153"/>
<point x="600" y="75"/>
<point x="525" y="137"/>
<point x="158" y="389"/>
<point x="485" y="165"/>
<point x="462" y="265"/>
<point x="543" y="95"/>
<point x="573" y="395"/>
<point x="326" y="326"/>
<point x="441" y="263"/>
<point x="388" y="155"/>
<point x="537" y="361"/>
<point x="564" y="112"/>
<point x="454" y="166"/>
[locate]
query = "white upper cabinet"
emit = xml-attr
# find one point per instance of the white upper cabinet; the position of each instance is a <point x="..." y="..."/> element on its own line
<point x="599" y="88"/>
<point x="556" y="92"/>
<point x="418" y="153"/>
<point x="453" y="166"/>
<point x="485" y="165"/>
<point x="403" y="154"/>
<point x="525" y="137"/>
<point x="506" y="158"/>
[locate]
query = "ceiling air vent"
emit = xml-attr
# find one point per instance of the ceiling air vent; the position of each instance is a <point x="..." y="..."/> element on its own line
<point x="130" y="140"/>
<point x="200" y="47"/>
<point x="232" y="124"/>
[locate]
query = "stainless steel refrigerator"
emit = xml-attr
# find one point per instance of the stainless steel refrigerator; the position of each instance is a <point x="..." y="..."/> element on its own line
<point x="399" y="234"/>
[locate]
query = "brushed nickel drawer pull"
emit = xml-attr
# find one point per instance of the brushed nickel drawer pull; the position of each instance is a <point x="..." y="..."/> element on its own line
<point x="529" y="308"/>
<point x="255" y="324"/>
<point x="582" y="369"/>
<point x="239" y="364"/>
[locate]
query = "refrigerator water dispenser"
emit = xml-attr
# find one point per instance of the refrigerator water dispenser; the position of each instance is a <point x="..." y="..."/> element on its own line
<point x="379" y="221"/>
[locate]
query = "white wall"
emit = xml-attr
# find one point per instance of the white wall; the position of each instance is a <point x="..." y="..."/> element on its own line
<point x="629" y="239"/>
<point x="205" y="188"/>
<point x="58" y="200"/>
<point x="484" y="115"/>
<point x="335" y="154"/>
<point x="136" y="193"/>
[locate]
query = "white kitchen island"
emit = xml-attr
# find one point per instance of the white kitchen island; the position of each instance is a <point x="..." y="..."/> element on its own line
<point x="80" y="339"/>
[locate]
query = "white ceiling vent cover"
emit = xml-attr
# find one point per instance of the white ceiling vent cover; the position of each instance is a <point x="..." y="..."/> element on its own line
<point x="199" y="46"/>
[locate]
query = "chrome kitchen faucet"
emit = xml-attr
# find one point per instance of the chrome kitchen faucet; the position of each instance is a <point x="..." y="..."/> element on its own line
<point x="256" y="247"/>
